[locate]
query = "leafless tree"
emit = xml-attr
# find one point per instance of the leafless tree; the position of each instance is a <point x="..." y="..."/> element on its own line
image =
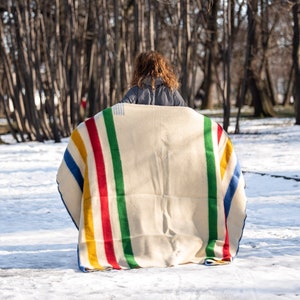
<point x="296" y="57"/>
<point x="63" y="61"/>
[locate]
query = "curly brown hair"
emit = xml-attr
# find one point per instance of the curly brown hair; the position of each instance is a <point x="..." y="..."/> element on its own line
<point x="153" y="64"/>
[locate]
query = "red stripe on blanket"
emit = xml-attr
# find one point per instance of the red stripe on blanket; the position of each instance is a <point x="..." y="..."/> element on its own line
<point x="102" y="186"/>
<point x="226" y="252"/>
<point x="220" y="131"/>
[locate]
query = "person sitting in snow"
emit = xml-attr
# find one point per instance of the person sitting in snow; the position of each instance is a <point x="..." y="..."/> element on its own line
<point x="153" y="82"/>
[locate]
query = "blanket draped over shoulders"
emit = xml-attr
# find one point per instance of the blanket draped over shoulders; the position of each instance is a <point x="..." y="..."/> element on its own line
<point x="152" y="186"/>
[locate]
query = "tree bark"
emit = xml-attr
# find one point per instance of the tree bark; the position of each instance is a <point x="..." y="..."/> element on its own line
<point x="185" y="50"/>
<point x="296" y="58"/>
<point x="211" y="55"/>
<point x="227" y="63"/>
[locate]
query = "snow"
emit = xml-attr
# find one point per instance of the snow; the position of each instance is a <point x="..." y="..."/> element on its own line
<point x="38" y="257"/>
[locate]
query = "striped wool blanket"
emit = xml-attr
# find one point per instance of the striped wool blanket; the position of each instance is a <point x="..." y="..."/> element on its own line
<point x="152" y="186"/>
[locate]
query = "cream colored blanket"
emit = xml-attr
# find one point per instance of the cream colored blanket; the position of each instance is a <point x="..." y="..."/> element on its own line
<point x="152" y="186"/>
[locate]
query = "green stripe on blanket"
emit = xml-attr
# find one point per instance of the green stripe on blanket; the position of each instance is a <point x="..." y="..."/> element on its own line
<point x="212" y="188"/>
<point x="120" y="191"/>
<point x="152" y="186"/>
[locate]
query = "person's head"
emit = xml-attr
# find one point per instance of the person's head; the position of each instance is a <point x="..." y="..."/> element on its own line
<point x="153" y="64"/>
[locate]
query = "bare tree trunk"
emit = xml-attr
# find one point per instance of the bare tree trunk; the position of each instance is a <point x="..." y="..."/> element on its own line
<point x="296" y="58"/>
<point x="211" y="54"/>
<point x="185" y="52"/>
<point x="289" y="88"/>
<point x="227" y="62"/>
<point x="139" y="41"/>
<point x="242" y="96"/>
<point x="103" y="57"/>
<point x="50" y="82"/>
<point x="12" y="92"/>
<point x="151" y="25"/>
<point x="257" y="85"/>
<point x="117" y="52"/>
<point x="264" y="73"/>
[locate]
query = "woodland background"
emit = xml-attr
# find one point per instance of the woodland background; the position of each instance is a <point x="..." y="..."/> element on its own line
<point x="64" y="60"/>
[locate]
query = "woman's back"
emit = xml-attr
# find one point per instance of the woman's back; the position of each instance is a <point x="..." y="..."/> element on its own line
<point x="160" y="95"/>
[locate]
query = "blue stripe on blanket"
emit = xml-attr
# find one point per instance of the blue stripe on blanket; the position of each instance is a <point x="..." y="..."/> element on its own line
<point x="231" y="189"/>
<point x="74" y="169"/>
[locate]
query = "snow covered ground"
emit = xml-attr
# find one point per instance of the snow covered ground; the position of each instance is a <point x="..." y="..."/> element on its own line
<point x="38" y="240"/>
